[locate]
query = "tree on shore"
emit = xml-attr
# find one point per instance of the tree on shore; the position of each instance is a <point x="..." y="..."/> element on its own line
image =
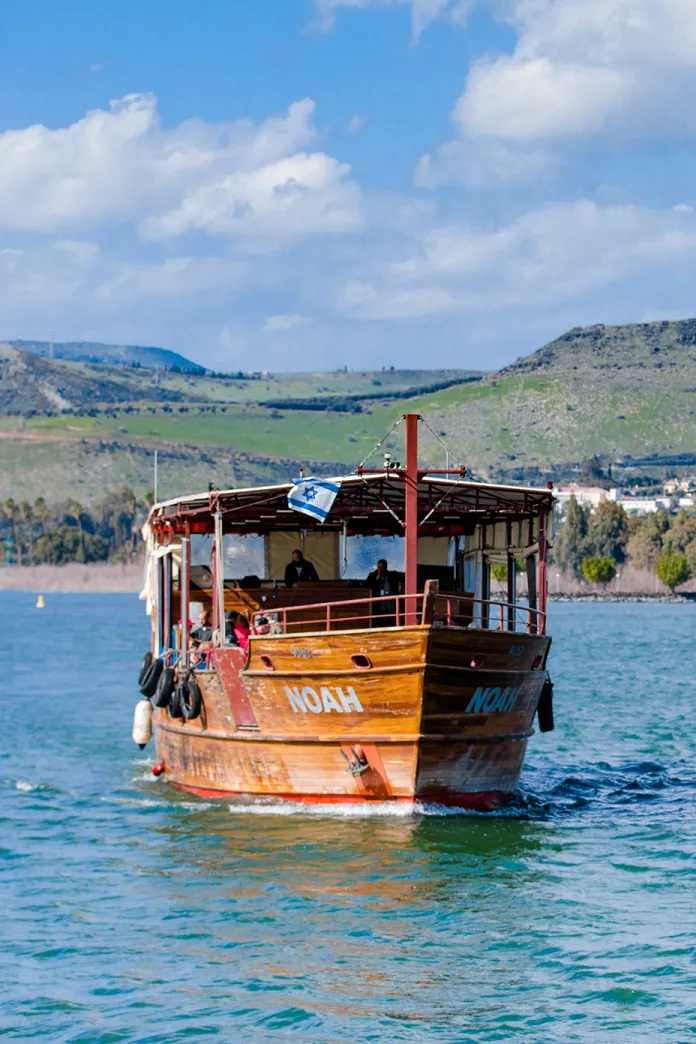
<point x="599" y="569"/>
<point x="673" y="569"/>
<point x="570" y="541"/>
<point x="27" y="516"/>
<point x="646" y="537"/>
<point x="10" y="511"/>
<point x="607" y="532"/>
<point x="69" y="532"/>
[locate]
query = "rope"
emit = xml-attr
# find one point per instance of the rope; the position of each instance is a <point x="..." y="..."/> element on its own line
<point x="383" y="439"/>
<point x="382" y="500"/>
<point x="443" y="444"/>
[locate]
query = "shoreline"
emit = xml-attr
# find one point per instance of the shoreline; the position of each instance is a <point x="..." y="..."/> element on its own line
<point x="127" y="578"/>
<point x="74" y="578"/>
<point x="675" y="599"/>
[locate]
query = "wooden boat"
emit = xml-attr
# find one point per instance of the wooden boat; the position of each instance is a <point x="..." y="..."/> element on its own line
<point x="425" y="694"/>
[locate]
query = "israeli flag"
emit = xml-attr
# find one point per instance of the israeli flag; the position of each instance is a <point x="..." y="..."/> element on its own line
<point x="314" y="497"/>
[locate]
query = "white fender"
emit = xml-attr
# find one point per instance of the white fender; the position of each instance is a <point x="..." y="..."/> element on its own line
<point x="142" y="723"/>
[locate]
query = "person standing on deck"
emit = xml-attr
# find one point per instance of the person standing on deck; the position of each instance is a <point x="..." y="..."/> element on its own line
<point x="299" y="570"/>
<point x="383" y="582"/>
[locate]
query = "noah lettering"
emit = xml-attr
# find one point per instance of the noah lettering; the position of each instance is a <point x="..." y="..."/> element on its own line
<point x="327" y="701"/>
<point x="489" y="700"/>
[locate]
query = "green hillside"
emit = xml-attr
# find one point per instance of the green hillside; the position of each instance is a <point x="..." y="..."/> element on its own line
<point x="617" y="392"/>
<point x="110" y="354"/>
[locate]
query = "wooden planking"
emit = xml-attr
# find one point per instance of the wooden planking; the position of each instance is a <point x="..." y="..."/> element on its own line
<point x="299" y="653"/>
<point x="414" y="726"/>
<point x="446" y="772"/>
<point x="501" y="650"/>
<point x="389" y="692"/>
<point x="311" y="702"/>
<point x="229" y="662"/>
<point x="449" y="694"/>
<point x="292" y="770"/>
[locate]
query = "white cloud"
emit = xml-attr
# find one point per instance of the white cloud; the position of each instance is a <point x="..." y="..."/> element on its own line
<point x="366" y="301"/>
<point x="81" y="252"/>
<point x="222" y="179"/>
<point x="482" y="164"/>
<point x="423" y="12"/>
<point x="540" y="99"/>
<point x="557" y="254"/>
<point x="280" y="323"/>
<point x="303" y="195"/>
<point x="174" y="278"/>
<point x="623" y="70"/>
<point x="356" y="123"/>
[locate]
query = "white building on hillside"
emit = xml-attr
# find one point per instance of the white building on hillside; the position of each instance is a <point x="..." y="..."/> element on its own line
<point x="587" y="496"/>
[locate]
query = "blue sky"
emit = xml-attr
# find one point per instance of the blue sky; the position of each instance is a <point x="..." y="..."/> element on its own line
<point x="303" y="184"/>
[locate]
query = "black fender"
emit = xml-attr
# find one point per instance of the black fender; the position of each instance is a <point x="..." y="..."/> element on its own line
<point x="144" y="667"/>
<point x="545" y="707"/>
<point x="165" y="687"/>
<point x="190" y="699"/>
<point x="176" y="702"/>
<point x="148" y="685"/>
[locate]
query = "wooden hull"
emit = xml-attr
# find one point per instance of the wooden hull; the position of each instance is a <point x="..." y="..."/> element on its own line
<point x="428" y="714"/>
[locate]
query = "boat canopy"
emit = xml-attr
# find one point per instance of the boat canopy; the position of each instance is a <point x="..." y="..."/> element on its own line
<point x="454" y="532"/>
<point x="366" y="504"/>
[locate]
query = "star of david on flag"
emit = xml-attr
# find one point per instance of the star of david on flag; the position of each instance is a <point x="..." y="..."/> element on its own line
<point x="314" y="497"/>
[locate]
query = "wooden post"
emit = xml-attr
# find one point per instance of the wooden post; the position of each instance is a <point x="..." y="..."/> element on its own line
<point x="510" y="580"/>
<point x="184" y="592"/>
<point x="485" y="582"/>
<point x="542" y="573"/>
<point x="218" y="592"/>
<point x="159" y="627"/>
<point x="411" y="479"/>
<point x="167" y="613"/>
<point x="432" y="589"/>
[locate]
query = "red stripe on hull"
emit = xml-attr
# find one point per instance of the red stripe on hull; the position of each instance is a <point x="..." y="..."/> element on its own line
<point x="486" y="801"/>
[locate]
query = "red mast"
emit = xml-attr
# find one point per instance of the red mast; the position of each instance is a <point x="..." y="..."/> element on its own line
<point x="411" y="480"/>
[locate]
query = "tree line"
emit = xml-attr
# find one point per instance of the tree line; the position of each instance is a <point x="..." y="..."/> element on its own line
<point x="37" y="532"/>
<point x="591" y="545"/>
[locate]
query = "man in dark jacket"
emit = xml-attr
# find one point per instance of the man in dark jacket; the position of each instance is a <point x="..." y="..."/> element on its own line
<point x="382" y="582"/>
<point x="299" y="570"/>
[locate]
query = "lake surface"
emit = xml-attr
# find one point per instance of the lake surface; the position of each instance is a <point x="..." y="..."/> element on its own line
<point x="133" y="914"/>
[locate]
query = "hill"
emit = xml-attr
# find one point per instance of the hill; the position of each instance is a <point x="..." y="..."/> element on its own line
<point x="622" y="393"/>
<point x="110" y="354"/>
<point x="636" y="349"/>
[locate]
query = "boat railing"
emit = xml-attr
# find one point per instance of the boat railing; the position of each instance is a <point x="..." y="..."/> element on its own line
<point x="398" y="610"/>
<point x="394" y="610"/>
<point x="453" y="610"/>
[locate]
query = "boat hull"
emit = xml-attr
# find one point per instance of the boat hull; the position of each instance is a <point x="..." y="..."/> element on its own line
<point x="434" y="715"/>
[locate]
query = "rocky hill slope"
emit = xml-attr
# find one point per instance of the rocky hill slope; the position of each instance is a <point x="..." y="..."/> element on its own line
<point x="623" y="393"/>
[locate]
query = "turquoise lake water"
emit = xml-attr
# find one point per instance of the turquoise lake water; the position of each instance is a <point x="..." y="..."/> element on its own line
<point x="130" y="913"/>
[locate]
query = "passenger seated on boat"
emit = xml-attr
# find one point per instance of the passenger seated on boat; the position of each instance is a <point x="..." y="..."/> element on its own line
<point x="204" y="631"/>
<point x="230" y="637"/>
<point x="382" y="581"/>
<point x="299" y="570"/>
<point x="262" y="625"/>
<point x="240" y="629"/>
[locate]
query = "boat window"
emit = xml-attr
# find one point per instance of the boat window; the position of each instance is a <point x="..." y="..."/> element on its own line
<point x="242" y="554"/>
<point x="363" y="553"/>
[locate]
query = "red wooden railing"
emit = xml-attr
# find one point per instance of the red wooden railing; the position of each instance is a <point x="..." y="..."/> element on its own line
<point x="431" y="607"/>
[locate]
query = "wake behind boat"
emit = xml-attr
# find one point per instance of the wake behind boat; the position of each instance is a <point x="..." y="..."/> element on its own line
<point x="326" y="691"/>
